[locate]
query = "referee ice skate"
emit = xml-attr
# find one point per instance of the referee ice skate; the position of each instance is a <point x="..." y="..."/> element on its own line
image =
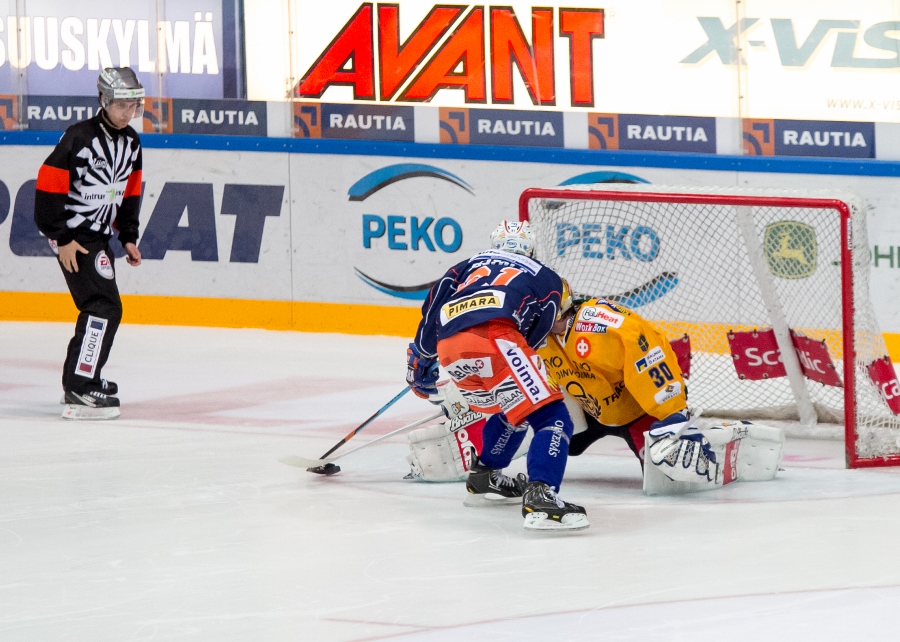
<point x="90" y="184"/>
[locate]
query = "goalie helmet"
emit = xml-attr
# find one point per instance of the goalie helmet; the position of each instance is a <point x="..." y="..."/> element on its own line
<point x="514" y="236"/>
<point x="120" y="83"/>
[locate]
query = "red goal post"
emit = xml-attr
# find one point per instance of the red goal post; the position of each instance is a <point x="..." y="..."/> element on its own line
<point x="768" y="288"/>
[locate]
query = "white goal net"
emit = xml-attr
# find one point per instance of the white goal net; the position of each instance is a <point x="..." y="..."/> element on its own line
<point x="764" y="293"/>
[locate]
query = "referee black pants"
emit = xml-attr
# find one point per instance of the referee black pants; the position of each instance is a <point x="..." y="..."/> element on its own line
<point x="96" y="296"/>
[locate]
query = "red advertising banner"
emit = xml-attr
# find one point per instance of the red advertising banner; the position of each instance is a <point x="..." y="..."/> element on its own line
<point x="682" y="349"/>
<point x="815" y="361"/>
<point x="881" y="372"/>
<point x="756" y="355"/>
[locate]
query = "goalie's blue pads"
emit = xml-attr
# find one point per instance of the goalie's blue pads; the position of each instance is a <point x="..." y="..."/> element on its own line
<point x="672" y="425"/>
<point x="549" y="447"/>
<point x="421" y="372"/>
<point x="688" y="457"/>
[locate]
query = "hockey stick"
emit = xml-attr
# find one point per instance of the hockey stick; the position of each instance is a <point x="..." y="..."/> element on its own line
<point x="356" y="430"/>
<point x="303" y="462"/>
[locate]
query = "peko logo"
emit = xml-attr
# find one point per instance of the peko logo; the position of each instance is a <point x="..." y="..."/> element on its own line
<point x="596" y="241"/>
<point x="455" y="47"/>
<point x="402" y="233"/>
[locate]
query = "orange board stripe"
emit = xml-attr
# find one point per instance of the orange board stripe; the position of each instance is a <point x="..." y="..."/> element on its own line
<point x="301" y="316"/>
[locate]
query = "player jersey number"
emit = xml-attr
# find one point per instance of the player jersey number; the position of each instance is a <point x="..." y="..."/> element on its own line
<point x="506" y="275"/>
<point x="660" y="374"/>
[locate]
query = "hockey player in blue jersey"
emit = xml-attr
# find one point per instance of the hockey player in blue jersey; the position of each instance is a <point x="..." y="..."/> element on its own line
<point x="482" y="321"/>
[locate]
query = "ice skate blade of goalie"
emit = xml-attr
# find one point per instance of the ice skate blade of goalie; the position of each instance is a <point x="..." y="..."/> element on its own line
<point x="543" y="510"/>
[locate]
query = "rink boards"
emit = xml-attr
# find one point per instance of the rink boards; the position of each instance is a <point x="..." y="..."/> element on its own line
<point x="348" y="238"/>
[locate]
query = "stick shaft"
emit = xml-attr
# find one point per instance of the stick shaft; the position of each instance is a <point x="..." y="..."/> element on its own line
<point x="303" y="462"/>
<point x="356" y="430"/>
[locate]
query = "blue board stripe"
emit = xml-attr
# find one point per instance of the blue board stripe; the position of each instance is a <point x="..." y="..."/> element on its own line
<point x="774" y="164"/>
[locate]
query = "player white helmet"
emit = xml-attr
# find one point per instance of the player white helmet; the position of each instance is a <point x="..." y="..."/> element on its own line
<point x="514" y="236"/>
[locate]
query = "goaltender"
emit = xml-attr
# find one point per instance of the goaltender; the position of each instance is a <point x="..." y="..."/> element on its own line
<point x="627" y="380"/>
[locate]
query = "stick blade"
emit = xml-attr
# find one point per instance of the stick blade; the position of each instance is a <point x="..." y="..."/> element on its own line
<point x="303" y="462"/>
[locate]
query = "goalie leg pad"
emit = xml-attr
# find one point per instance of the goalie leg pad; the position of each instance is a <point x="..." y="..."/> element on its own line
<point x="439" y="454"/>
<point x="750" y="451"/>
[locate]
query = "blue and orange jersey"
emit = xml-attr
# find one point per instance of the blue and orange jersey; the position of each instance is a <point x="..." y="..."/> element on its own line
<point x="491" y="285"/>
<point x="90" y="184"/>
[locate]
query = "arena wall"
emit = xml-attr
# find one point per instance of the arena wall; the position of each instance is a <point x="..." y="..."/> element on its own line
<point x="345" y="236"/>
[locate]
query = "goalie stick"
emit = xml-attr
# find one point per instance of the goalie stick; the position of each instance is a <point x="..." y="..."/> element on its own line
<point x="303" y="462"/>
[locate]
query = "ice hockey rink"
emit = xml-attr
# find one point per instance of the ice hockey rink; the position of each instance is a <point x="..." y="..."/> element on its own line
<point x="177" y="521"/>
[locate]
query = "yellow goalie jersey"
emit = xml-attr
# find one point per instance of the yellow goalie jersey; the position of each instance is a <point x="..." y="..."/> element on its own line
<point x="616" y="365"/>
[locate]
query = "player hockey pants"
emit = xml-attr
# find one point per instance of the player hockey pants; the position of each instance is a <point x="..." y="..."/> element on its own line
<point x="96" y="296"/>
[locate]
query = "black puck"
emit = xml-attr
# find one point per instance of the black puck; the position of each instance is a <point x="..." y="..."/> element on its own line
<point x="327" y="469"/>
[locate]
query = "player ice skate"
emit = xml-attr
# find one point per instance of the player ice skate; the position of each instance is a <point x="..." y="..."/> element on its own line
<point x="482" y="321"/>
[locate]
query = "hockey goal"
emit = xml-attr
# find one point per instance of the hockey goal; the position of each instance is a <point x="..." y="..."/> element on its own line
<point x="763" y="293"/>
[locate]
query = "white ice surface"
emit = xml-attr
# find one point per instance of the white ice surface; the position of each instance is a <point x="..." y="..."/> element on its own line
<point x="176" y="521"/>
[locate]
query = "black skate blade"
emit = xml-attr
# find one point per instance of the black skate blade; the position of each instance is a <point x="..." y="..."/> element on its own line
<point x="327" y="469"/>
